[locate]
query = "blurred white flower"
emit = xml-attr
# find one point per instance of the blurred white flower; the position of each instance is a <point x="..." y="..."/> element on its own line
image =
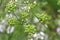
<point x="46" y="25"/>
<point x="59" y="22"/>
<point x="36" y="20"/>
<point x="11" y="1"/>
<point x="10" y="29"/>
<point x="26" y="1"/>
<point x="30" y="39"/>
<point x="28" y="7"/>
<point x="1" y="28"/>
<point x="40" y="35"/>
<point x="15" y="0"/>
<point x="41" y="38"/>
<point x="10" y="15"/>
<point x="35" y="35"/>
<point x="3" y="21"/>
<point x="58" y="30"/>
<point x="25" y="7"/>
<point x="34" y="2"/>
<point x="28" y="10"/>
<point x="7" y="15"/>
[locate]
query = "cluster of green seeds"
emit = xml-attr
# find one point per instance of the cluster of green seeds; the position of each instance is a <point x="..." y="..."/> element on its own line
<point x="30" y="29"/>
<point x="42" y="17"/>
<point x="12" y="21"/>
<point x="11" y="6"/>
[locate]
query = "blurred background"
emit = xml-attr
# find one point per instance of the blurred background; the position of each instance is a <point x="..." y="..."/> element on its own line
<point x="29" y="19"/>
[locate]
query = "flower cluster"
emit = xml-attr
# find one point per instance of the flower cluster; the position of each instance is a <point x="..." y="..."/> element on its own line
<point x="23" y="15"/>
<point x="12" y="21"/>
<point x="40" y="36"/>
<point x="42" y="17"/>
<point x="11" y="6"/>
<point x="30" y="29"/>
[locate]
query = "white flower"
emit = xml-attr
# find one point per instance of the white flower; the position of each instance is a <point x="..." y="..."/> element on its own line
<point x="34" y="2"/>
<point x="30" y="39"/>
<point x="27" y="1"/>
<point x="35" y="35"/>
<point x="7" y="15"/>
<point x="10" y="15"/>
<point x="15" y="0"/>
<point x="58" y="30"/>
<point x="28" y="7"/>
<point x="36" y="20"/>
<point x="1" y="28"/>
<point x="25" y="7"/>
<point x="10" y="29"/>
<point x="3" y="21"/>
<point x="42" y="34"/>
<point x="28" y="10"/>
<point x="41" y="37"/>
<point x="46" y="25"/>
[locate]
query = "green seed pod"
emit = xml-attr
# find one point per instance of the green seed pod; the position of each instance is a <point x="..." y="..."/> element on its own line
<point x="42" y="17"/>
<point x="10" y="6"/>
<point x="12" y="21"/>
<point x="30" y="29"/>
<point x="23" y="15"/>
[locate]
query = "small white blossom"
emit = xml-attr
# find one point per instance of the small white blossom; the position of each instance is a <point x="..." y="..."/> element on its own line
<point x="28" y="10"/>
<point x="10" y="15"/>
<point x="30" y="39"/>
<point x="36" y="20"/>
<point x="27" y="1"/>
<point x="3" y="21"/>
<point x="58" y="30"/>
<point x="34" y="2"/>
<point x="1" y="28"/>
<point x="28" y="7"/>
<point x="25" y="7"/>
<point x="10" y="29"/>
<point x="24" y="1"/>
<point x="7" y="15"/>
<point x="41" y="33"/>
<point x="42" y="38"/>
<point x="16" y="0"/>
<point x="46" y="25"/>
<point x="35" y="35"/>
